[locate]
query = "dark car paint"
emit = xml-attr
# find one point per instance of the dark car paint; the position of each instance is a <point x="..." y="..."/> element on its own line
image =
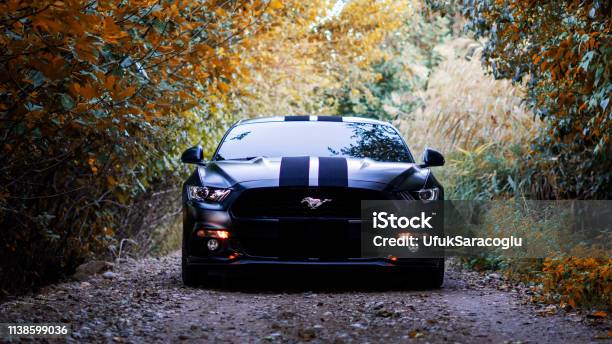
<point x="240" y="175"/>
<point x="228" y="174"/>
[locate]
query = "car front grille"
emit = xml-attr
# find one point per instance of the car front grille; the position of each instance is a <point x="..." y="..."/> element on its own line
<point x="300" y="239"/>
<point x="276" y="222"/>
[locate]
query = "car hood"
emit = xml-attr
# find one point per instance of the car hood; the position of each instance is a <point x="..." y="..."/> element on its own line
<point x="312" y="171"/>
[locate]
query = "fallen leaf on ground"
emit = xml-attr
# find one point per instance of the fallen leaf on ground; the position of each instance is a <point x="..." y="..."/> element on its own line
<point x="548" y="310"/>
<point x="306" y="334"/>
<point x="598" y="314"/>
<point x="384" y="313"/>
<point x="415" y="334"/>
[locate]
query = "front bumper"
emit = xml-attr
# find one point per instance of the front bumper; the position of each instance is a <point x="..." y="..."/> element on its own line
<point x="232" y="256"/>
<point x="237" y="263"/>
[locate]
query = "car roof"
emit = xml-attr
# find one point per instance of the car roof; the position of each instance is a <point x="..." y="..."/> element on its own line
<point x="349" y="119"/>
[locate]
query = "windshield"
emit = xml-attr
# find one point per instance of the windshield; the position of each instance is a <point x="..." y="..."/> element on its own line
<point x="322" y="139"/>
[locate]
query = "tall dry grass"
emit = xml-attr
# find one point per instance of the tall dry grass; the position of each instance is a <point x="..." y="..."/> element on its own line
<point x="464" y="107"/>
<point x="479" y="123"/>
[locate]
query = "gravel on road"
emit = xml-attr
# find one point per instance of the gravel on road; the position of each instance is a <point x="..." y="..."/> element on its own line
<point x="144" y="301"/>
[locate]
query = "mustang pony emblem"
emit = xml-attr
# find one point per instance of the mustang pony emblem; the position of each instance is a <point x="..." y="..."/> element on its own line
<point x="314" y="203"/>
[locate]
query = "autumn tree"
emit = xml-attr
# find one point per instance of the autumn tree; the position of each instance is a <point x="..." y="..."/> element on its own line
<point x="299" y="64"/>
<point x="399" y="77"/>
<point x="561" y="49"/>
<point x="94" y="107"/>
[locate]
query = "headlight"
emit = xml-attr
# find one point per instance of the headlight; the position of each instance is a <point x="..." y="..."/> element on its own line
<point x="428" y="194"/>
<point x="206" y="194"/>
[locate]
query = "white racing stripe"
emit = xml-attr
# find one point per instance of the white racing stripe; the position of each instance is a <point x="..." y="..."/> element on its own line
<point x="313" y="171"/>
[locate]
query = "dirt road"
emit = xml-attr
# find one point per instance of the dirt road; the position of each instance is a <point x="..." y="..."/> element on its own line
<point x="145" y="302"/>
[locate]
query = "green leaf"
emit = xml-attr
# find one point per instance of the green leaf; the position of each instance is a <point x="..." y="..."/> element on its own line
<point x="67" y="101"/>
<point x="586" y="60"/>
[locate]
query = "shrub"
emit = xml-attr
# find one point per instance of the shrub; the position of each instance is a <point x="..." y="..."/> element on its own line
<point x="94" y="101"/>
<point x="578" y="281"/>
<point x="563" y="47"/>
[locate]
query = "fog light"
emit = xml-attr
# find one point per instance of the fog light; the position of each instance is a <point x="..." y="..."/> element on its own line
<point x="408" y="237"/>
<point x="212" y="244"/>
<point x="219" y="234"/>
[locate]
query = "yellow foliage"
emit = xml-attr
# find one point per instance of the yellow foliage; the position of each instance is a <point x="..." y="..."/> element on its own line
<point x="578" y="281"/>
<point x="315" y="45"/>
<point x="92" y="97"/>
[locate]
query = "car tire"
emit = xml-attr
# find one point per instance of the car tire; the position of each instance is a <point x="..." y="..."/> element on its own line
<point x="190" y="276"/>
<point x="434" y="278"/>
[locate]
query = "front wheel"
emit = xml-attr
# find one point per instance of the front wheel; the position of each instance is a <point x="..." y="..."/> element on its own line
<point x="190" y="277"/>
<point x="433" y="278"/>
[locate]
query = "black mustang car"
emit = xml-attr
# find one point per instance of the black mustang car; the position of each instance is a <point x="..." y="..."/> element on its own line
<point x="287" y="191"/>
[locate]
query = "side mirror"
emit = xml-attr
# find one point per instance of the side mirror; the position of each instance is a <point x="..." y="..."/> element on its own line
<point x="193" y="155"/>
<point x="432" y="157"/>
